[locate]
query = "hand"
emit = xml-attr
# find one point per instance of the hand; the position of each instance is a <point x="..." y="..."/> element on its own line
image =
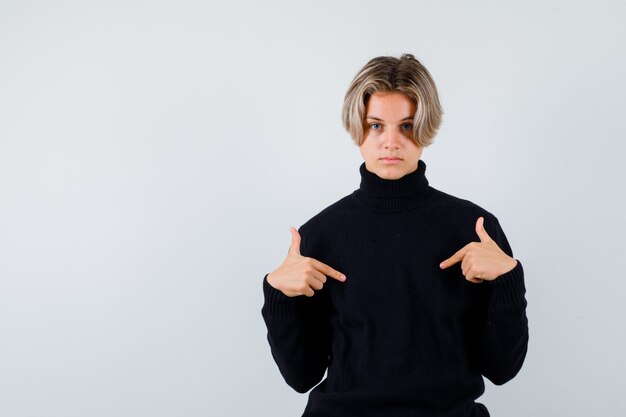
<point x="482" y="260"/>
<point x="301" y="275"/>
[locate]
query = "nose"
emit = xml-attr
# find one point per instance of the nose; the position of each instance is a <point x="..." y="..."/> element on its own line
<point x="392" y="139"/>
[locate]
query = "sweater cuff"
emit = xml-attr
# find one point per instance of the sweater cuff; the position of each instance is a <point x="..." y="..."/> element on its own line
<point x="509" y="287"/>
<point x="276" y="304"/>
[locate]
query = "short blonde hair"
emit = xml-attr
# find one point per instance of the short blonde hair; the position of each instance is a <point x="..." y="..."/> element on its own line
<point x="389" y="74"/>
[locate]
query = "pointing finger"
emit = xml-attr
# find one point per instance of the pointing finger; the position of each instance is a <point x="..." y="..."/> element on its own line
<point x="319" y="276"/>
<point x="327" y="270"/>
<point x="458" y="256"/>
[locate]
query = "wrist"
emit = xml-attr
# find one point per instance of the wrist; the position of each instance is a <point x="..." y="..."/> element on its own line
<point x="270" y="279"/>
<point x="511" y="265"/>
<point x="508" y="267"/>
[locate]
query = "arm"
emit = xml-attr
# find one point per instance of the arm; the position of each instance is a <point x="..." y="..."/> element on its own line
<point x="505" y="334"/>
<point x="299" y="333"/>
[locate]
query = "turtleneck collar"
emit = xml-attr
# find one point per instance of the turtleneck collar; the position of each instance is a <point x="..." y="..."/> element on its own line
<point x="381" y="194"/>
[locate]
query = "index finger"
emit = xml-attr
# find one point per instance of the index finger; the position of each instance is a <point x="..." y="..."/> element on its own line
<point x="454" y="258"/>
<point x="327" y="270"/>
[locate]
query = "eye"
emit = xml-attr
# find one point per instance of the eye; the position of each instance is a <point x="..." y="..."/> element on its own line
<point x="373" y="126"/>
<point x="407" y="126"/>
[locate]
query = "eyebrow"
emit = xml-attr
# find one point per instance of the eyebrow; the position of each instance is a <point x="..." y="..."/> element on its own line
<point x="376" y="118"/>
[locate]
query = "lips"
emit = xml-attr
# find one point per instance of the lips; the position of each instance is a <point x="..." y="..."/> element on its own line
<point x="390" y="160"/>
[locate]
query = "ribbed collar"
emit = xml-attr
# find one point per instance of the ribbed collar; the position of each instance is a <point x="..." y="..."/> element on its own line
<point x="382" y="194"/>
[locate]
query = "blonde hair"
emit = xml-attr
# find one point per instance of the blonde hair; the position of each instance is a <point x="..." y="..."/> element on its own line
<point x="390" y="74"/>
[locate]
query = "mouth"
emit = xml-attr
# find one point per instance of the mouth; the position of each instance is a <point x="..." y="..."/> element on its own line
<point x="391" y="160"/>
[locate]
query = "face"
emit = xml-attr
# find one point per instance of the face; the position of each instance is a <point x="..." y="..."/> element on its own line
<point x="387" y="147"/>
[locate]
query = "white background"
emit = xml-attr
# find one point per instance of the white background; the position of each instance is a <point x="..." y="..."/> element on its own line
<point x="153" y="155"/>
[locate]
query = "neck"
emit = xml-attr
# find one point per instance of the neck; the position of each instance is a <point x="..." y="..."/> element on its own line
<point x="381" y="194"/>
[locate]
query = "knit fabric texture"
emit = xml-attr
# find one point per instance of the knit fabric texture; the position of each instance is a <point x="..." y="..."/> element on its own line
<point x="400" y="337"/>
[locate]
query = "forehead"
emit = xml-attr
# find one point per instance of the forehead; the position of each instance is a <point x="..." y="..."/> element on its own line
<point x="390" y="105"/>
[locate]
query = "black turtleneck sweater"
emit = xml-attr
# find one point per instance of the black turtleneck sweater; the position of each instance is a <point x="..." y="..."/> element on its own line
<point x="401" y="336"/>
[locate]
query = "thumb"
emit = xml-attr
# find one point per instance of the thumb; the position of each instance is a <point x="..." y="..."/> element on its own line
<point x="294" y="249"/>
<point x="480" y="230"/>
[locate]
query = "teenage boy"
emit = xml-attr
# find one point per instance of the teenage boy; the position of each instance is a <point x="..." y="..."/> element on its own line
<point x="405" y="294"/>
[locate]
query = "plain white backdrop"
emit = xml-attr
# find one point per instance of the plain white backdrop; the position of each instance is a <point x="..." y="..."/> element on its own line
<point x="153" y="155"/>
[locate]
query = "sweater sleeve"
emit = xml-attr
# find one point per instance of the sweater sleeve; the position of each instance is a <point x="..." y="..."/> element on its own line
<point x="505" y="334"/>
<point x="298" y="332"/>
